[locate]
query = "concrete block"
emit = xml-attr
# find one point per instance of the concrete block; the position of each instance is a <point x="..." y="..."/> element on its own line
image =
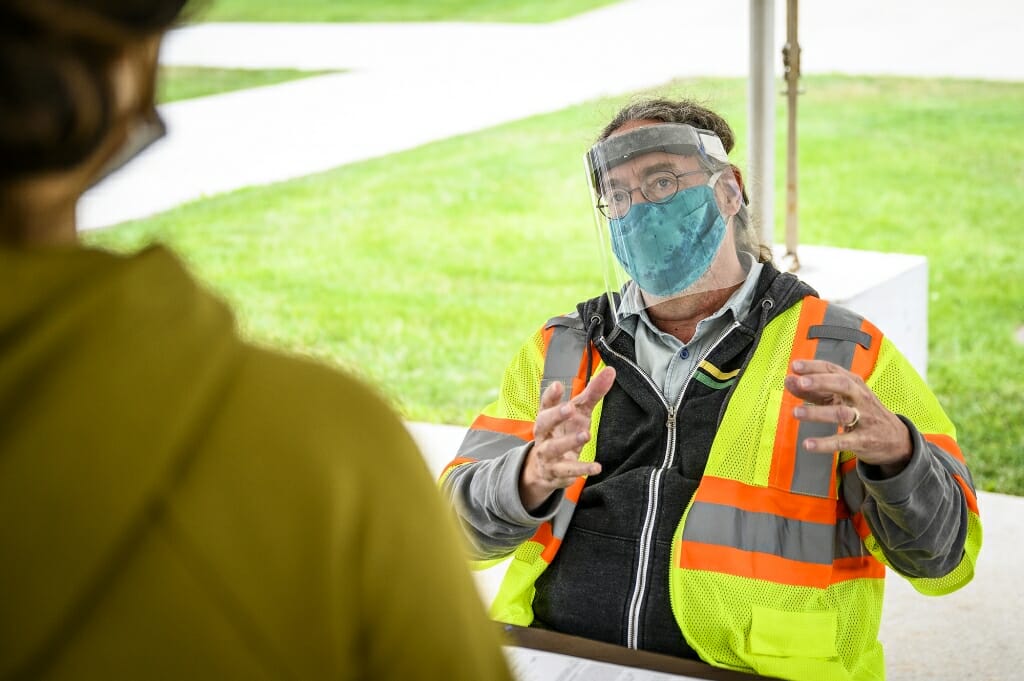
<point x="889" y="289"/>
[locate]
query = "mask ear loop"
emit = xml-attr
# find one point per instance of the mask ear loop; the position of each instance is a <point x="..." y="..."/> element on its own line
<point x="736" y="192"/>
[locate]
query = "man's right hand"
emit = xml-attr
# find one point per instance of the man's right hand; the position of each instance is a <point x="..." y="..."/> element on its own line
<point x="559" y="434"/>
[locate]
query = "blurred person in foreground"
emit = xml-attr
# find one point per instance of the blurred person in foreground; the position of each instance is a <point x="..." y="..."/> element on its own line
<point x="708" y="460"/>
<point x="177" y="503"/>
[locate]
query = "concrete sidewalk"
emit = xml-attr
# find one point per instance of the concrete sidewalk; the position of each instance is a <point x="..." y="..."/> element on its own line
<point x="409" y="84"/>
<point x="976" y="633"/>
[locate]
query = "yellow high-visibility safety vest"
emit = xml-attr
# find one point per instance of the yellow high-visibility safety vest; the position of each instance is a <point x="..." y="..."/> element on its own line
<point x="774" y="569"/>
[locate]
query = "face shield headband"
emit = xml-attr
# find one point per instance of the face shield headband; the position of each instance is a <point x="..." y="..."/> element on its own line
<point x="670" y="138"/>
<point x="659" y="192"/>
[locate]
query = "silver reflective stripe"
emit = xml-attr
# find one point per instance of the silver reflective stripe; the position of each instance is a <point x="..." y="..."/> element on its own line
<point x="853" y="490"/>
<point x="568" y="343"/>
<point x="848" y="542"/>
<point x="812" y="471"/>
<point x="486" y="444"/>
<point x="560" y="523"/>
<point x="566" y="387"/>
<point x="799" y="540"/>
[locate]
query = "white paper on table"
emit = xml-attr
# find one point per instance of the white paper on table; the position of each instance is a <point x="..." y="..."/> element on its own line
<point x="529" y="664"/>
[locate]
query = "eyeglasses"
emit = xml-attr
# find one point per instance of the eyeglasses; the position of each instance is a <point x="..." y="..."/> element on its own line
<point x="658" y="187"/>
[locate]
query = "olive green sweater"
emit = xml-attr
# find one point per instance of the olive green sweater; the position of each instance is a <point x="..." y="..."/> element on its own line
<point x="179" y="504"/>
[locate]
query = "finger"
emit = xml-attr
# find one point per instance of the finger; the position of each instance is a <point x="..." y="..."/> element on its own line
<point x="821" y="387"/>
<point x="836" y="443"/>
<point x="831" y="413"/>
<point x="552" y="412"/>
<point x="565" y="473"/>
<point x="815" y="366"/>
<point x="793" y="385"/>
<point x="552" y="396"/>
<point x="595" y="391"/>
<point x="555" y="449"/>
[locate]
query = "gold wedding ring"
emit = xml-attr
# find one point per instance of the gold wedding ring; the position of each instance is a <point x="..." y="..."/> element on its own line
<point x="847" y="427"/>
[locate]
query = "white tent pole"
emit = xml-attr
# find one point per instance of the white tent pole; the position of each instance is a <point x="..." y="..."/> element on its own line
<point x="761" y="110"/>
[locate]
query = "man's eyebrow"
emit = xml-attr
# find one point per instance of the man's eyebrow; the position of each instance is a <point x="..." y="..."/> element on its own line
<point x="661" y="166"/>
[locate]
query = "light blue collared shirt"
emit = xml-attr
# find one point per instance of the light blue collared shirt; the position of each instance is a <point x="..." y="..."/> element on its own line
<point x="665" y="358"/>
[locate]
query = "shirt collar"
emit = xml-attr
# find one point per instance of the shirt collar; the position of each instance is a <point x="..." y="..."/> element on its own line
<point x="632" y="309"/>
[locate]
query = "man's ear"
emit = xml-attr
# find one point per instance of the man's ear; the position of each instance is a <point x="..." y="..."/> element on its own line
<point x="729" y="195"/>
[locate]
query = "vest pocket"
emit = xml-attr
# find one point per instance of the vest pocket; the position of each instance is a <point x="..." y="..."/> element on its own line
<point x="792" y="634"/>
<point x="795" y="645"/>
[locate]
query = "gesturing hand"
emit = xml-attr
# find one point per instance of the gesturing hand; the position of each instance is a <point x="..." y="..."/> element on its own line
<point x="869" y="430"/>
<point x="559" y="434"/>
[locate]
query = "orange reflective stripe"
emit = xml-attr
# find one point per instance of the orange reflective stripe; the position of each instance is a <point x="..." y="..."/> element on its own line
<point x="861" y="525"/>
<point x="751" y="564"/>
<point x="727" y="492"/>
<point x="521" y="429"/>
<point x="581" y="372"/>
<point x="457" y="461"/>
<point x="767" y="567"/>
<point x="573" y="491"/>
<point x="545" y="339"/>
<point x="947" y="444"/>
<point x="864" y="360"/>
<point x="549" y="541"/>
<point x="972" y="501"/>
<point x="812" y="313"/>
<point x="857" y="568"/>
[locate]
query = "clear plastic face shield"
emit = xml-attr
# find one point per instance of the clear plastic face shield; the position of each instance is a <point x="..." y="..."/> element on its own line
<point x="670" y="216"/>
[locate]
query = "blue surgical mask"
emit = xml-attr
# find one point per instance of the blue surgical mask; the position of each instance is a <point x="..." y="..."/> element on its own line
<point x="666" y="247"/>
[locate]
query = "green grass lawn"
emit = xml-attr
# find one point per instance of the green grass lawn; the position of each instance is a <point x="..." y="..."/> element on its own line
<point x="395" y="10"/>
<point x="187" y="82"/>
<point x="423" y="271"/>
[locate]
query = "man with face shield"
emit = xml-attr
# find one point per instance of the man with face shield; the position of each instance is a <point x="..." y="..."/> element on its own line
<point x="176" y="502"/>
<point x="708" y="460"/>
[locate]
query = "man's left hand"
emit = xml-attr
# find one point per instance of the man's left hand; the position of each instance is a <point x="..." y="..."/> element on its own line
<point x="834" y="395"/>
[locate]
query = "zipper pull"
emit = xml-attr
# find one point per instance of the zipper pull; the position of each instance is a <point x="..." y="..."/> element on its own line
<point x="671" y="423"/>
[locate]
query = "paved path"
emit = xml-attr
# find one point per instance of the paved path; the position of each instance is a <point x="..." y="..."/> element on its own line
<point x="409" y="84"/>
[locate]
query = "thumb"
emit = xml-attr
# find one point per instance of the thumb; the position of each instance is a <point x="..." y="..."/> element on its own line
<point x="597" y="388"/>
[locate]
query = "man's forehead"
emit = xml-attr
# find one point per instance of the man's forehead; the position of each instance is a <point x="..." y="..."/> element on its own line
<point x="653" y="162"/>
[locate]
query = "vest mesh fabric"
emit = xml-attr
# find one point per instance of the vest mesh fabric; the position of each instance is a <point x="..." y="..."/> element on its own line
<point x="748" y="420"/>
<point x="727" y="598"/>
<point x="714" y="609"/>
<point x="897" y="383"/>
<point x="516" y="401"/>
